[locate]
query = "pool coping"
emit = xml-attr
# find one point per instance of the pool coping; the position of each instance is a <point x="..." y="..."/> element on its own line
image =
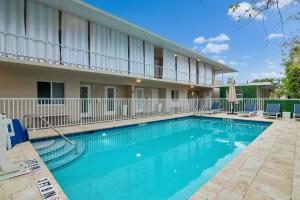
<point x="36" y="135"/>
<point x="215" y="188"/>
<point x="77" y="133"/>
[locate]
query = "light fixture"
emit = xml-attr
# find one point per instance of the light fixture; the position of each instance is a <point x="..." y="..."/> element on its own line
<point x="138" y="155"/>
<point x="198" y="59"/>
<point x="103" y="134"/>
<point x="175" y="55"/>
<point x="192" y="86"/>
<point x="138" y="80"/>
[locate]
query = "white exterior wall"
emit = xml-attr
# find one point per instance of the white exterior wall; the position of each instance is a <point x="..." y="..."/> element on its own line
<point x="182" y="68"/>
<point x="209" y="75"/>
<point x="201" y="77"/>
<point x="149" y="59"/>
<point x="42" y="25"/>
<point x="169" y="70"/>
<point x="108" y="47"/>
<point x="119" y="51"/>
<point x="12" y="22"/>
<point x="193" y="71"/>
<point x="74" y="39"/>
<point x="100" y="46"/>
<point x="136" y="56"/>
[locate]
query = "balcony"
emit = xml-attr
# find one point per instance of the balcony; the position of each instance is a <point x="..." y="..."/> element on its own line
<point x="25" y="48"/>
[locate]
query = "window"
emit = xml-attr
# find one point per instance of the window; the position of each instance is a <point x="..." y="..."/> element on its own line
<point x="50" y="92"/>
<point x="239" y="93"/>
<point x="110" y="94"/>
<point x="174" y="94"/>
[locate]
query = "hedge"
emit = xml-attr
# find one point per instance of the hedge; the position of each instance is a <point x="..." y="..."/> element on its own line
<point x="285" y="105"/>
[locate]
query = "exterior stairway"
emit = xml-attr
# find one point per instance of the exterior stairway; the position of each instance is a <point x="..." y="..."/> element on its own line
<point x="57" y="152"/>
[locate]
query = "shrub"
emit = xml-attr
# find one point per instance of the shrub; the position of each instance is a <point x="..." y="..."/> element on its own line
<point x="285" y="105"/>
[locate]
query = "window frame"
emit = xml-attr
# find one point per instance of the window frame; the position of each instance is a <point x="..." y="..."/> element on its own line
<point x="52" y="100"/>
<point x="173" y="94"/>
<point x="239" y="95"/>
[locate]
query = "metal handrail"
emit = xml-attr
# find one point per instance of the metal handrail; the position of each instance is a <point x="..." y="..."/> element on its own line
<point x="52" y="127"/>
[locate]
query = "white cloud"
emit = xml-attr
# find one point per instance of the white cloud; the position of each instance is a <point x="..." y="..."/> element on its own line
<point x="247" y="10"/>
<point x="227" y="75"/>
<point x="272" y="36"/>
<point x="216" y="57"/>
<point x="244" y="11"/>
<point x="199" y="40"/>
<point x="195" y="48"/>
<point x="221" y="61"/>
<point x="269" y="62"/>
<point x="283" y="3"/>
<point x="219" y="38"/>
<point x="233" y="62"/>
<point x="246" y="57"/>
<point x="272" y="74"/>
<point x="272" y="66"/>
<point x="215" y="48"/>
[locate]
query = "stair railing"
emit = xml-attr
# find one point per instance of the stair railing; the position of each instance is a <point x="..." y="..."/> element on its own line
<point x="49" y="125"/>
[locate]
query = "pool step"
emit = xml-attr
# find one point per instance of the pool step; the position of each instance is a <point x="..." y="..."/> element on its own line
<point x="57" y="145"/>
<point x="67" y="158"/>
<point x="42" y="145"/>
<point x="57" y="152"/>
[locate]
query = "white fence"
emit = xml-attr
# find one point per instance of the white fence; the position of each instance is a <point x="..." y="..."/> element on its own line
<point x="239" y="106"/>
<point x="75" y="111"/>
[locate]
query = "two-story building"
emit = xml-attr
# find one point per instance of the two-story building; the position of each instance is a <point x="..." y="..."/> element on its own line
<point x="69" y="49"/>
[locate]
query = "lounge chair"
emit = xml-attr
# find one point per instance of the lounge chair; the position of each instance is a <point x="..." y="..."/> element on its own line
<point x="215" y="107"/>
<point x="273" y="110"/>
<point x="249" y="110"/>
<point x="296" y="111"/>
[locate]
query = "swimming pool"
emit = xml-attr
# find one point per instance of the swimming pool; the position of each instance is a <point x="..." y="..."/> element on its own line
<point x="169" y="159"/>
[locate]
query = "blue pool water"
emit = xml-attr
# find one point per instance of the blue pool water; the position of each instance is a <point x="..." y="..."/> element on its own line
<point x="162" y="160"/>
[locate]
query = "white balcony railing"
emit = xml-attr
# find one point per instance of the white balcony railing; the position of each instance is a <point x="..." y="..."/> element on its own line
<point x="20" y="47"/>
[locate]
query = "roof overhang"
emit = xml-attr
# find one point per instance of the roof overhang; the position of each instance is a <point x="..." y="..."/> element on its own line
<point x="266" y="85"/>
<point x="89" y="12"/>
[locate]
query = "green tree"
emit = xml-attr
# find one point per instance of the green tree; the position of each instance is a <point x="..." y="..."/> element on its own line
<point x="274" y="81"/>
<point x="292" y="73"/>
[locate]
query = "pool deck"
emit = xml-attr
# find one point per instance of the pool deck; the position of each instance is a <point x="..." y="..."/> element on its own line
<point x="269" y="168"/>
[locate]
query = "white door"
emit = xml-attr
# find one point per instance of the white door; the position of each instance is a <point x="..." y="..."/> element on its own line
<point x="154" y="100"/>
<point x="110" y="95"/>
<point x="139" y="97"/>
<point x="85" y="106"/>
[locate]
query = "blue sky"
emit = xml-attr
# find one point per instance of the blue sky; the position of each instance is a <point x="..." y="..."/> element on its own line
<point x="241" y="45"/>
